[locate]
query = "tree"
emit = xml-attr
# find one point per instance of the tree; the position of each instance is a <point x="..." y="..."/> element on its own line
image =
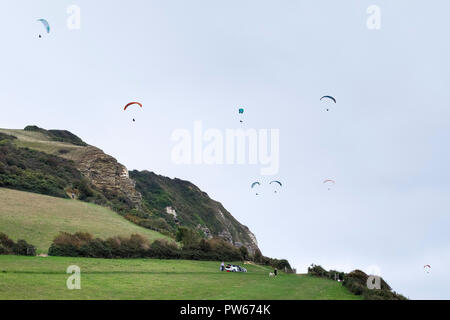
<point x="188" y="237"/>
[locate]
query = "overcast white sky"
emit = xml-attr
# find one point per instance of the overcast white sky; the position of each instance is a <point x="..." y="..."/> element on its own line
<point x="386" y="142"/>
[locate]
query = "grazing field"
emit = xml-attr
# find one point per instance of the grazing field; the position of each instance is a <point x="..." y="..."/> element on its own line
<point x="38" y="219"/>
<point x="45" y="278"/>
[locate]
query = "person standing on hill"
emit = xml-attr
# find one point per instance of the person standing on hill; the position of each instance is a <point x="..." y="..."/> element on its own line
<point x="222" y="266"/>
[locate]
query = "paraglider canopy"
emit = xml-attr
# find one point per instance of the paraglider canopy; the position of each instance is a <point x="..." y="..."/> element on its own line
<point x="256" y="183"/>
<point x="276" y="182"/>
<point x="329" y="98"/>
<point x="329" y="182"/>
<point x="45" y="24"/>
<point x="131" y="103"/>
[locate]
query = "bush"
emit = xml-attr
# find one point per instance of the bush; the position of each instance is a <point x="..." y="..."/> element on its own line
<point x="22" y="248"/>
<point x="137" y="246"/>
<point x="188" y="237"/>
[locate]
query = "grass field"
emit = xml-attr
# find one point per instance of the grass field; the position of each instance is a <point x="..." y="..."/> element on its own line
<point x="45" y="278"/>
<point x="38" y="219"/>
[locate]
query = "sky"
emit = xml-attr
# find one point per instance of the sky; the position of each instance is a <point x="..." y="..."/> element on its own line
<point x="385" y="142"/>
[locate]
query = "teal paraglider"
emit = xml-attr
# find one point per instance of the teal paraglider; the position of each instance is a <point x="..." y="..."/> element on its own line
<point x="45" y="24"/>
<point x="254" y="184"/>
<point x="241" y="111"/>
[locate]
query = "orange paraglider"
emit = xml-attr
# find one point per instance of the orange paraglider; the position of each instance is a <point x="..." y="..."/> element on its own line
<point x="131" y="103"/>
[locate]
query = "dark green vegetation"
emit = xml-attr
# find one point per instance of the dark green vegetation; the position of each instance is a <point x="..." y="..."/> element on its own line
<point x="35" y="171"/>
<point x="45" y="278"/>
<point x="21" y="247"/>
<point x="137" y="246"/>
<point x="356" y="282"/>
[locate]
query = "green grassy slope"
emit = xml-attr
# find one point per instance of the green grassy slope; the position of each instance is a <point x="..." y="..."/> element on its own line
<point x="45" y="278"/>
<point x="38" y="219"/>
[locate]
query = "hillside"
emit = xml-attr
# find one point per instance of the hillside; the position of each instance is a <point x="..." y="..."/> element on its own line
<point x="58" y="163"/>
<point x="189" y="206"/>
<point x="45" y="278"/>
<point x="38" y="219"/>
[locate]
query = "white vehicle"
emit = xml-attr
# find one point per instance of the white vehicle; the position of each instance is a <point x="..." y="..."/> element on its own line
<point x="234" y="268"/>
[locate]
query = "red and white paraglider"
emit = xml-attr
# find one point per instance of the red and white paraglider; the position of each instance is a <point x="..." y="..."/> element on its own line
<point x="329" y="183"/>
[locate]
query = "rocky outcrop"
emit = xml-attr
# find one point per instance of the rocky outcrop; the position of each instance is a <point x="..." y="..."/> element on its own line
<point x="106" y="173"/>
<point x="205" y="230"/>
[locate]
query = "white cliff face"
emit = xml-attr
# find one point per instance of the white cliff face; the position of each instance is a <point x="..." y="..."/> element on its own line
<point x="253" y="238"/>
<point x="171" y="211"/>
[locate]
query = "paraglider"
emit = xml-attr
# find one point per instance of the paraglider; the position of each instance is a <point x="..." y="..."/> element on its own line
<point x="329" y="183"/>
<point x="131" y="103"/>
<point x="241" y="111"/>
<point x="330" y="98"/>
<point x="276" y="182"/>
<point x="45" y="24"/>
<point x="427" y="268"/>
<point x="254" y="184"/>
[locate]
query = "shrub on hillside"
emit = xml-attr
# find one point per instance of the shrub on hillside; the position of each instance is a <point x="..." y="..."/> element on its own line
<point x="137" y="246"/>
<point x="22" y="248"/>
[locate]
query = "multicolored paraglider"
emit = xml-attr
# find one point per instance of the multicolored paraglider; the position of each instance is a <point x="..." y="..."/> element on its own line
<point x="254" y="184"/>
<point x="329" y="183"/>
<point x="329" y="98"/>
<point x="45" y="24"/>
<point x="427" y="268"/>
<point x="276" y="183"/>
<point x="130" y="104"/>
